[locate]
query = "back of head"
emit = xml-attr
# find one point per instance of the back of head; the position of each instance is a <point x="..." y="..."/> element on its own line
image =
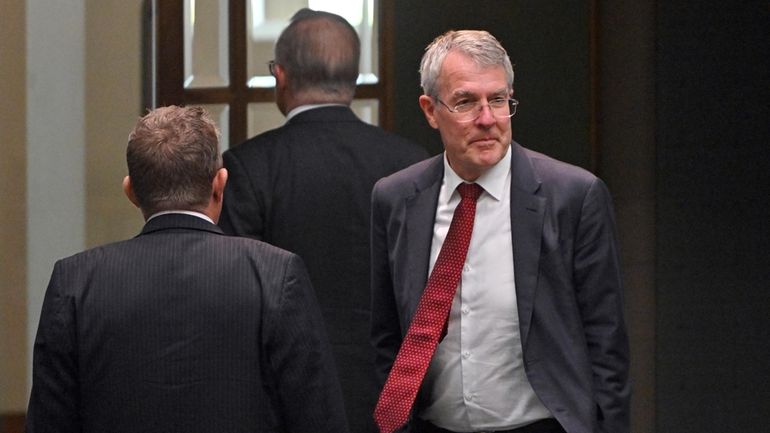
<point x="320" y="52"/>
<point x="173" y="156"/>
<point x="478" y="45"/>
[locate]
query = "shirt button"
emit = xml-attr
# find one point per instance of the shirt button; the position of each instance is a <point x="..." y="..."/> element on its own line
<point x="465" y="309"/>
<point x="466" y="354"/>
<point x="468" y="397"/>
<point x="466" y="268"/>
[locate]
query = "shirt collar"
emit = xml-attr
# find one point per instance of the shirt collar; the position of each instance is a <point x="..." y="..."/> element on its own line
<point x="186" y="212"/>
<point x="303" y="108"/>
<point x="493" y="180"/>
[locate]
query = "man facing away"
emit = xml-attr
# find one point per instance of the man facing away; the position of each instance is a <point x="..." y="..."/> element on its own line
<point x="306" y="187"/>
<point x="182" y="328"/>
<point x="531" y="337"/>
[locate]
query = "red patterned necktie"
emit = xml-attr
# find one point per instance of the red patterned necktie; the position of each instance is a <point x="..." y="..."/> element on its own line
<point x="430" y="319"/>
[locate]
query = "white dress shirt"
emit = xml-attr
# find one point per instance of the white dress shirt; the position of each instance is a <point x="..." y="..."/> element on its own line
<point x="476" y="379"/>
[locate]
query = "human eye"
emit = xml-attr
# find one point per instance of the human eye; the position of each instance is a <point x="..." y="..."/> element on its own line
<point x="464" y="105"/>
<point x="498" y="102"/>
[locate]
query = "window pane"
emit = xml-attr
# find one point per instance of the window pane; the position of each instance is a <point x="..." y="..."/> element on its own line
<point x="263" y="116"/>
<point x="367" y="110"/>
<point x="206" y="61"/>
<point x="220" y="114"/>
<point x="265" y="19"/>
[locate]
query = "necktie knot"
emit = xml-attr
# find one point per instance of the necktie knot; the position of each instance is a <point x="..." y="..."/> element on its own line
<point x="469" y="191"/>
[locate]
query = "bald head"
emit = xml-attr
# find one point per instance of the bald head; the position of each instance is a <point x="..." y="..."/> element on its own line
<point x="320" y="52"/>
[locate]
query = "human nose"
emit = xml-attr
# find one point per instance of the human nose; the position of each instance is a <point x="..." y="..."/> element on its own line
<point x="486" y="116"/>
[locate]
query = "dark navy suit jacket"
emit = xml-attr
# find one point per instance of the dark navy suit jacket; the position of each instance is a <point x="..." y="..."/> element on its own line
<point x="567" y="275"/>
<point x="306" y="187"/>
<point x="183" y="329"/>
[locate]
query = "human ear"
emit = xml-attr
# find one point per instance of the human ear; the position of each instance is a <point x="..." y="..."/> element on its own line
<point x="429" y="109"/>
<point x="128" y="190"/>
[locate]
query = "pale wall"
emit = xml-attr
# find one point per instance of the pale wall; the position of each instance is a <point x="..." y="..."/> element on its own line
<point x="113" y="104"/>
<point x="107" y="109"/>
<point x="13" y="208"/>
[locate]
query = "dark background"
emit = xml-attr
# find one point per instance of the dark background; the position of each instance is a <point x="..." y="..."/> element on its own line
<point x="713" y="198"/>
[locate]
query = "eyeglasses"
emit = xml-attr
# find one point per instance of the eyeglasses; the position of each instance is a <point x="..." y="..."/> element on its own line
<point x="471" y="110"/>
<point x="271" y="67"/>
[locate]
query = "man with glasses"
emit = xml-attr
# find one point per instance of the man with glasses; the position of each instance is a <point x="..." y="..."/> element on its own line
<point x="306" y="187"/>
<point x="503" y="315"/>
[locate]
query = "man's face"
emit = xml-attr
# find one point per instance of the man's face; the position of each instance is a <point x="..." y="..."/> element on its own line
<point x="475" y="146"/>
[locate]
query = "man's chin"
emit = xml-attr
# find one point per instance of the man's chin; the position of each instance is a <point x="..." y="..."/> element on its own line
<point x="489" y="154"/>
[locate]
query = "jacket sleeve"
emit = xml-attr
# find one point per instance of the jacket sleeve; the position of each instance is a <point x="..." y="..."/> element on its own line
<point x="308" y="394"/>
<point x="55" y="401"/>
<point x="598" y="284"/>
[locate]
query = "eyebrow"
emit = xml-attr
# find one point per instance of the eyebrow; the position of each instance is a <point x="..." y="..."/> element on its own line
<point x="465" y="93"/>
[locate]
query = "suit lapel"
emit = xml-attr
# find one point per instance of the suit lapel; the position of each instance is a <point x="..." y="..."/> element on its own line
<point x="527" y="214"/>
<point x="420" y="217"/>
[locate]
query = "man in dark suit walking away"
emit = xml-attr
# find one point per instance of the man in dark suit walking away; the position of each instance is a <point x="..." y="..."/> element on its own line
<point x="182" y="328"/>
<point x="306" y="187"/>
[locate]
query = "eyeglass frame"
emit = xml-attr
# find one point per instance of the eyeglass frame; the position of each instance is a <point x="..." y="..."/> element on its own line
<point x="271" y="67"/>
<point x="512" y="104"/>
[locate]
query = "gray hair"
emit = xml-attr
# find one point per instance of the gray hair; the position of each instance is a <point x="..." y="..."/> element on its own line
<point x="320" y="52"/>
<point x="479" y="45"/>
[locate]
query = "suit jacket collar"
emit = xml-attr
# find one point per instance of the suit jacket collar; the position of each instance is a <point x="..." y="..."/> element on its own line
<point x="179" y="221"/>
<point x="420" y="217"/>
<point x="334" y="113"/>
<point x="527" y="216"/>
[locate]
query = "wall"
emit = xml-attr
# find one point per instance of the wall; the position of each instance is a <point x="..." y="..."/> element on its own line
<point x="113" y="105"/>
<point x="71" y="93"/>
<point x="54" y="143"/>
<point x="713" y="216"/>
<point x="626" y="129"/>
<point x="13" y="208"/>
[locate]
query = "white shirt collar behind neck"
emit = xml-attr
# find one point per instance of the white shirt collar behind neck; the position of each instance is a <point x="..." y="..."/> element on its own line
<point x="185" y="212"/>
<point x="303" y="108"/>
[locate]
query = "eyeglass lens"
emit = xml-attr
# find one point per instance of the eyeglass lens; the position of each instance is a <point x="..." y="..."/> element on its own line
<point x="501" y="111"/>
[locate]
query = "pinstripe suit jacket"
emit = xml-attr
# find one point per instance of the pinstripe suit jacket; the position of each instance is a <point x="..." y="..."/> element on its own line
<point x="183" y="329"/>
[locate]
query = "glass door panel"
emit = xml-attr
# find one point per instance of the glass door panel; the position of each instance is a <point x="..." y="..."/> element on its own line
<point x="206" y="33"/>
<point x="367" y="110"/>
<point x="263" y="116"/>
<point x="265" y="19"/>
